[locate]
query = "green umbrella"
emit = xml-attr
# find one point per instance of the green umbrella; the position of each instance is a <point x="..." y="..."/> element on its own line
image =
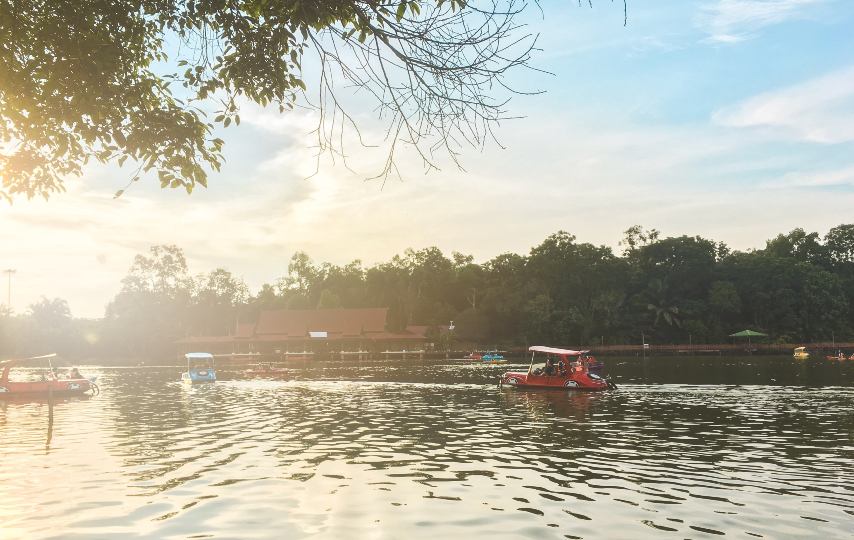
<point x="748" y="334"/>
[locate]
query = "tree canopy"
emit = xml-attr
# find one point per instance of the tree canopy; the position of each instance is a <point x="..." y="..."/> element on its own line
<point x="147" y="80"/>
<point x="562" y="292"/>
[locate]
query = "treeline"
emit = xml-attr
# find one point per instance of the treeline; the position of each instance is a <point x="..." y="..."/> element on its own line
<point x="800" y="287"/>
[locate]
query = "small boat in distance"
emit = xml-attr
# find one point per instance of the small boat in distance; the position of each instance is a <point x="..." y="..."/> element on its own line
<point x="265" y="370"/>
<point x="44" y="382"/>
<point x="560" y="368"/>
<point x="800" y="353"/>
<point x="200" y="368"/>
<point x="493" y="357"/>
<point x="593" y="365"/>
<point x="474" y="356"/>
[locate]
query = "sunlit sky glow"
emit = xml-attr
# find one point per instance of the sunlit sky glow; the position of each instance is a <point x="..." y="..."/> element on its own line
<point x="729" y="119"/>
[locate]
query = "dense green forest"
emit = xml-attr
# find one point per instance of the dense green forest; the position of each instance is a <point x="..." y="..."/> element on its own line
<point x="799" y="288"/>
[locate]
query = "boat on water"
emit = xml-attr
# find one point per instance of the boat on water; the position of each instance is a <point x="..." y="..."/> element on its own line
<point x="45" y="380"/>
<point x="200" y="368"/>
<point x="839" y="356"/>
<point x="800" y="353"/>
<point x="493" y="357"/>
<point x="265" y="370"/>
<point x="490" y="357"/>
<point x="593" y="365"/>
<point x="558" y="368"/>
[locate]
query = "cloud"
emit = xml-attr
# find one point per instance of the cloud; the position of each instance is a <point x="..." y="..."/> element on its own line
<point x="589" y="174"/>
<point x="843" y="177"/>
<point x="820" y="110"/>
<point x="732" y="21"/>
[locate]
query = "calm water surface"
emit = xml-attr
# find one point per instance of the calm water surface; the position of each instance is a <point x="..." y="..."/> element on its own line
<point x="686" y="448"/>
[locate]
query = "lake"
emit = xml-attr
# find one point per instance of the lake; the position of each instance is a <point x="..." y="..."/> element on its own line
<point x="697" y="447"/>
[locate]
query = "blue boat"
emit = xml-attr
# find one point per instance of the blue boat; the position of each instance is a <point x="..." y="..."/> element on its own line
<point x="200" y="368"/>
<point x="493" y="357"/>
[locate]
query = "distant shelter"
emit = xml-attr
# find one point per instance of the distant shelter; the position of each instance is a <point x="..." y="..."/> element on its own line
<point x="321" y="332"/>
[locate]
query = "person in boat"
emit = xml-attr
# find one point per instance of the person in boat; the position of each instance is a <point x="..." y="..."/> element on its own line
<point x="74" y="374"/>
<point x="550" y="369"/>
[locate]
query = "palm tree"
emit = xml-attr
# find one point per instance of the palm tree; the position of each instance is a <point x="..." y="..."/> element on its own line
<point x="661" y="306"/>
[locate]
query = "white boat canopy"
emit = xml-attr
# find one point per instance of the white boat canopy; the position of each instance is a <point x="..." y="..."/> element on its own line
<point x="18" y="360"/>
<point x="198" y="356"/>
<point x="554" y="350"/>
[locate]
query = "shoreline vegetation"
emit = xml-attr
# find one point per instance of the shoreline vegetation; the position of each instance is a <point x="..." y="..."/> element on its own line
<point x="667" y="292"/>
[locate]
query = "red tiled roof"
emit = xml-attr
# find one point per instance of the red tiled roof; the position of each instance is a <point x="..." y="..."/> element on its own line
<point x="206" y="339"/>
<point x="294" y="325"/>
<point x="392" y="336"/>
<point x="374" y="336"/>
<point x="245" y="330"/>
<point x="421" y="329"/>
<point x="337" y="322"/>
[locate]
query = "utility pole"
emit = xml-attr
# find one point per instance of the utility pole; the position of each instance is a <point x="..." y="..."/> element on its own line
<point x="9" y="272"/>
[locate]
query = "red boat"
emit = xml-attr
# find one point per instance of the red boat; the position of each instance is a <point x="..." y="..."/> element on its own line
<point x="45" y="382"/>
<point x="560" y="368"/>
<point x="474" y="356"/>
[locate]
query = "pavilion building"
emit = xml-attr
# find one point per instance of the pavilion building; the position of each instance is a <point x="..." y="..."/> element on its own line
<point x="320" y="332"/>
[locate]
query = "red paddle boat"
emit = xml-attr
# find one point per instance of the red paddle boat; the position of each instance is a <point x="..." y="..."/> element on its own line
<point x="44" y="382"/>
<point x="559" y="368"/>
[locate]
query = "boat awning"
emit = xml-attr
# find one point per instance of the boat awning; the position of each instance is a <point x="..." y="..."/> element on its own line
<point x="322" y="335"/>
<point x="198" y="356"/>
<point x="555" y="350"/>
<point x="18" y="360"/>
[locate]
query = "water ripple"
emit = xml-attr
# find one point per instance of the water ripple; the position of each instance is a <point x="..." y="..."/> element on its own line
<point x="401" y="451"/>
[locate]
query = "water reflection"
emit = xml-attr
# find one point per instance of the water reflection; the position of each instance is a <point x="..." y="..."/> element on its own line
<point x="424" y="449"/>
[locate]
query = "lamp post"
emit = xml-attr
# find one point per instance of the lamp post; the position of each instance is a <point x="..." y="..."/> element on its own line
<point x="9" y="272"/>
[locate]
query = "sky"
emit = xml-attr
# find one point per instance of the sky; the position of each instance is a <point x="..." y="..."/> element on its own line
<point x="729" y="119"/>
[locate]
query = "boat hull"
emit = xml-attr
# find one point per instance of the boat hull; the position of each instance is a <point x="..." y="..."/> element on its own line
<point x="199" y="376"/>
<point x="579" y="380"/>
<point x="67" y="387"/>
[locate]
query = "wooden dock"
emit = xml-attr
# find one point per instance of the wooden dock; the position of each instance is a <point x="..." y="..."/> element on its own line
<point x="403" y="354"/>
<point x="359" y="355"/>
